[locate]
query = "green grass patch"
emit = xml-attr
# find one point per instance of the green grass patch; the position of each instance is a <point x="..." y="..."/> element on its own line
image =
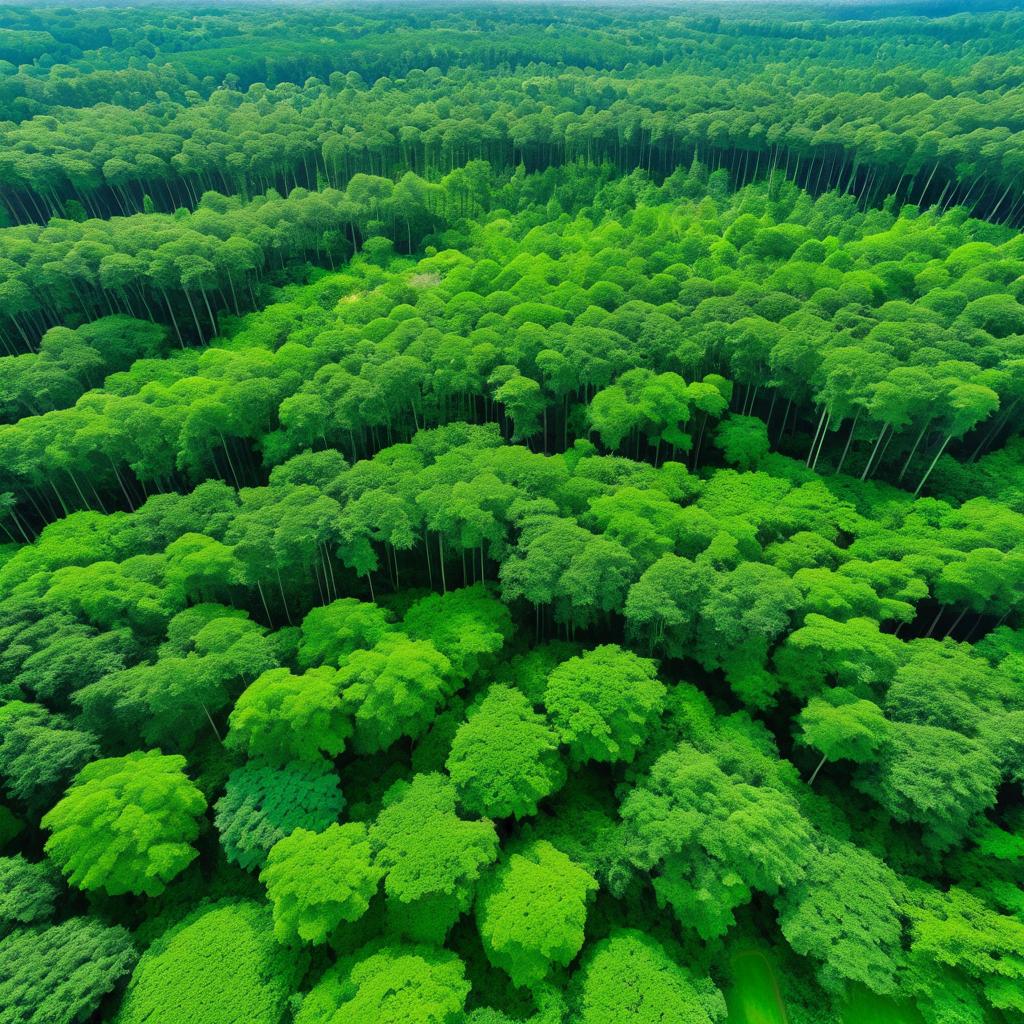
<point x="864" y="1007"/>
<point x="754" y="996"/>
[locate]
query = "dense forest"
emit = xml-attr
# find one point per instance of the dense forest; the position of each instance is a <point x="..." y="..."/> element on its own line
<point x="512" y="514"/>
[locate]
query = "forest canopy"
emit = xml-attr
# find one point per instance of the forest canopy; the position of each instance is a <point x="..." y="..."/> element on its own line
<point x="511" y="514"/>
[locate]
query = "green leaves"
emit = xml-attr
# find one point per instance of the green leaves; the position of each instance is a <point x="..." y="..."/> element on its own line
<point x="282" y="717"/>
<point x="331" y="633"/>
<point x="743" y="441"/>
<point x="744" y="612"/>
<point x="126" y="824"/>
<point x="531" y="910"/>
<point x="603" y="703"/>
<point x="389" y="984"/>
<point x="854" y="654"/>
<point x="167" y="703"/>
<point x="432" y="857"/>
<point x="631" y="976"/>
<point x="504" y="758"/>
<point x="961" y="932"/>
<point x="262" y="804"/>
<point x="616" y="410"/>
<point x="227" y="953"/>
<point x="938" y="778"/>
<point x="394" y="689"/>
<point x="524" y="402"/>
<point x="841" y="726"/>
<point x="40" y="753"/>
<point x="28" y="892"/>
<point x="468" y="626"/>
<point x="847" y="912"/>
<point x="719" y="828"/>
<point x="315" y="881"/>
<point x="584" y="575"/>
<point x="60" y="974"/>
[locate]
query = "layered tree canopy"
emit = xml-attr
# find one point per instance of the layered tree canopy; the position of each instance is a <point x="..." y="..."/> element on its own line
<point x="512" y="514"/>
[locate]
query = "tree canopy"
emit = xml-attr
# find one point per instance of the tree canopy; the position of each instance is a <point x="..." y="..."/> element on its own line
<point x="511" y="514"/>
<point x="126" y="824"/>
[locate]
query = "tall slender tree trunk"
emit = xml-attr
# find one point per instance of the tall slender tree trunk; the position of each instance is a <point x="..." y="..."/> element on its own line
<point x="814" y="774"/>
<point x="874" y="451"/>
<point x="928" y="473"/>
<point x="853" y="427"/>
<point x="817" y="432"/>
<point x="821" y="443"/>
<point x="956" y="621"/>
<point x="284" y="600"/>
<point x="913" y="452"/>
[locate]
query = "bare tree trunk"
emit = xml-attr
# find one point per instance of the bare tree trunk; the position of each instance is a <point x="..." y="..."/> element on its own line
<point x="874" y="451"/>
<point x="938" y="454"/>
<point x="853" y="427"/>
<point x="817" y="432"/>
<point x="913" y="452"/>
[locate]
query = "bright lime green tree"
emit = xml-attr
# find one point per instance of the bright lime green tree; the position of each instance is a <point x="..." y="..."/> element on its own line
<point x="316" y="881"/>
<point x="220" y="963"/>
<point x="126" y="824"/>
<point x="603" y="702"/>
<point x="531" y="910"/>
<point x="389" y="984"/>
<point x="284" y="717"/>
<point x="504" y="758"/>
<point x="431" y="856"/>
